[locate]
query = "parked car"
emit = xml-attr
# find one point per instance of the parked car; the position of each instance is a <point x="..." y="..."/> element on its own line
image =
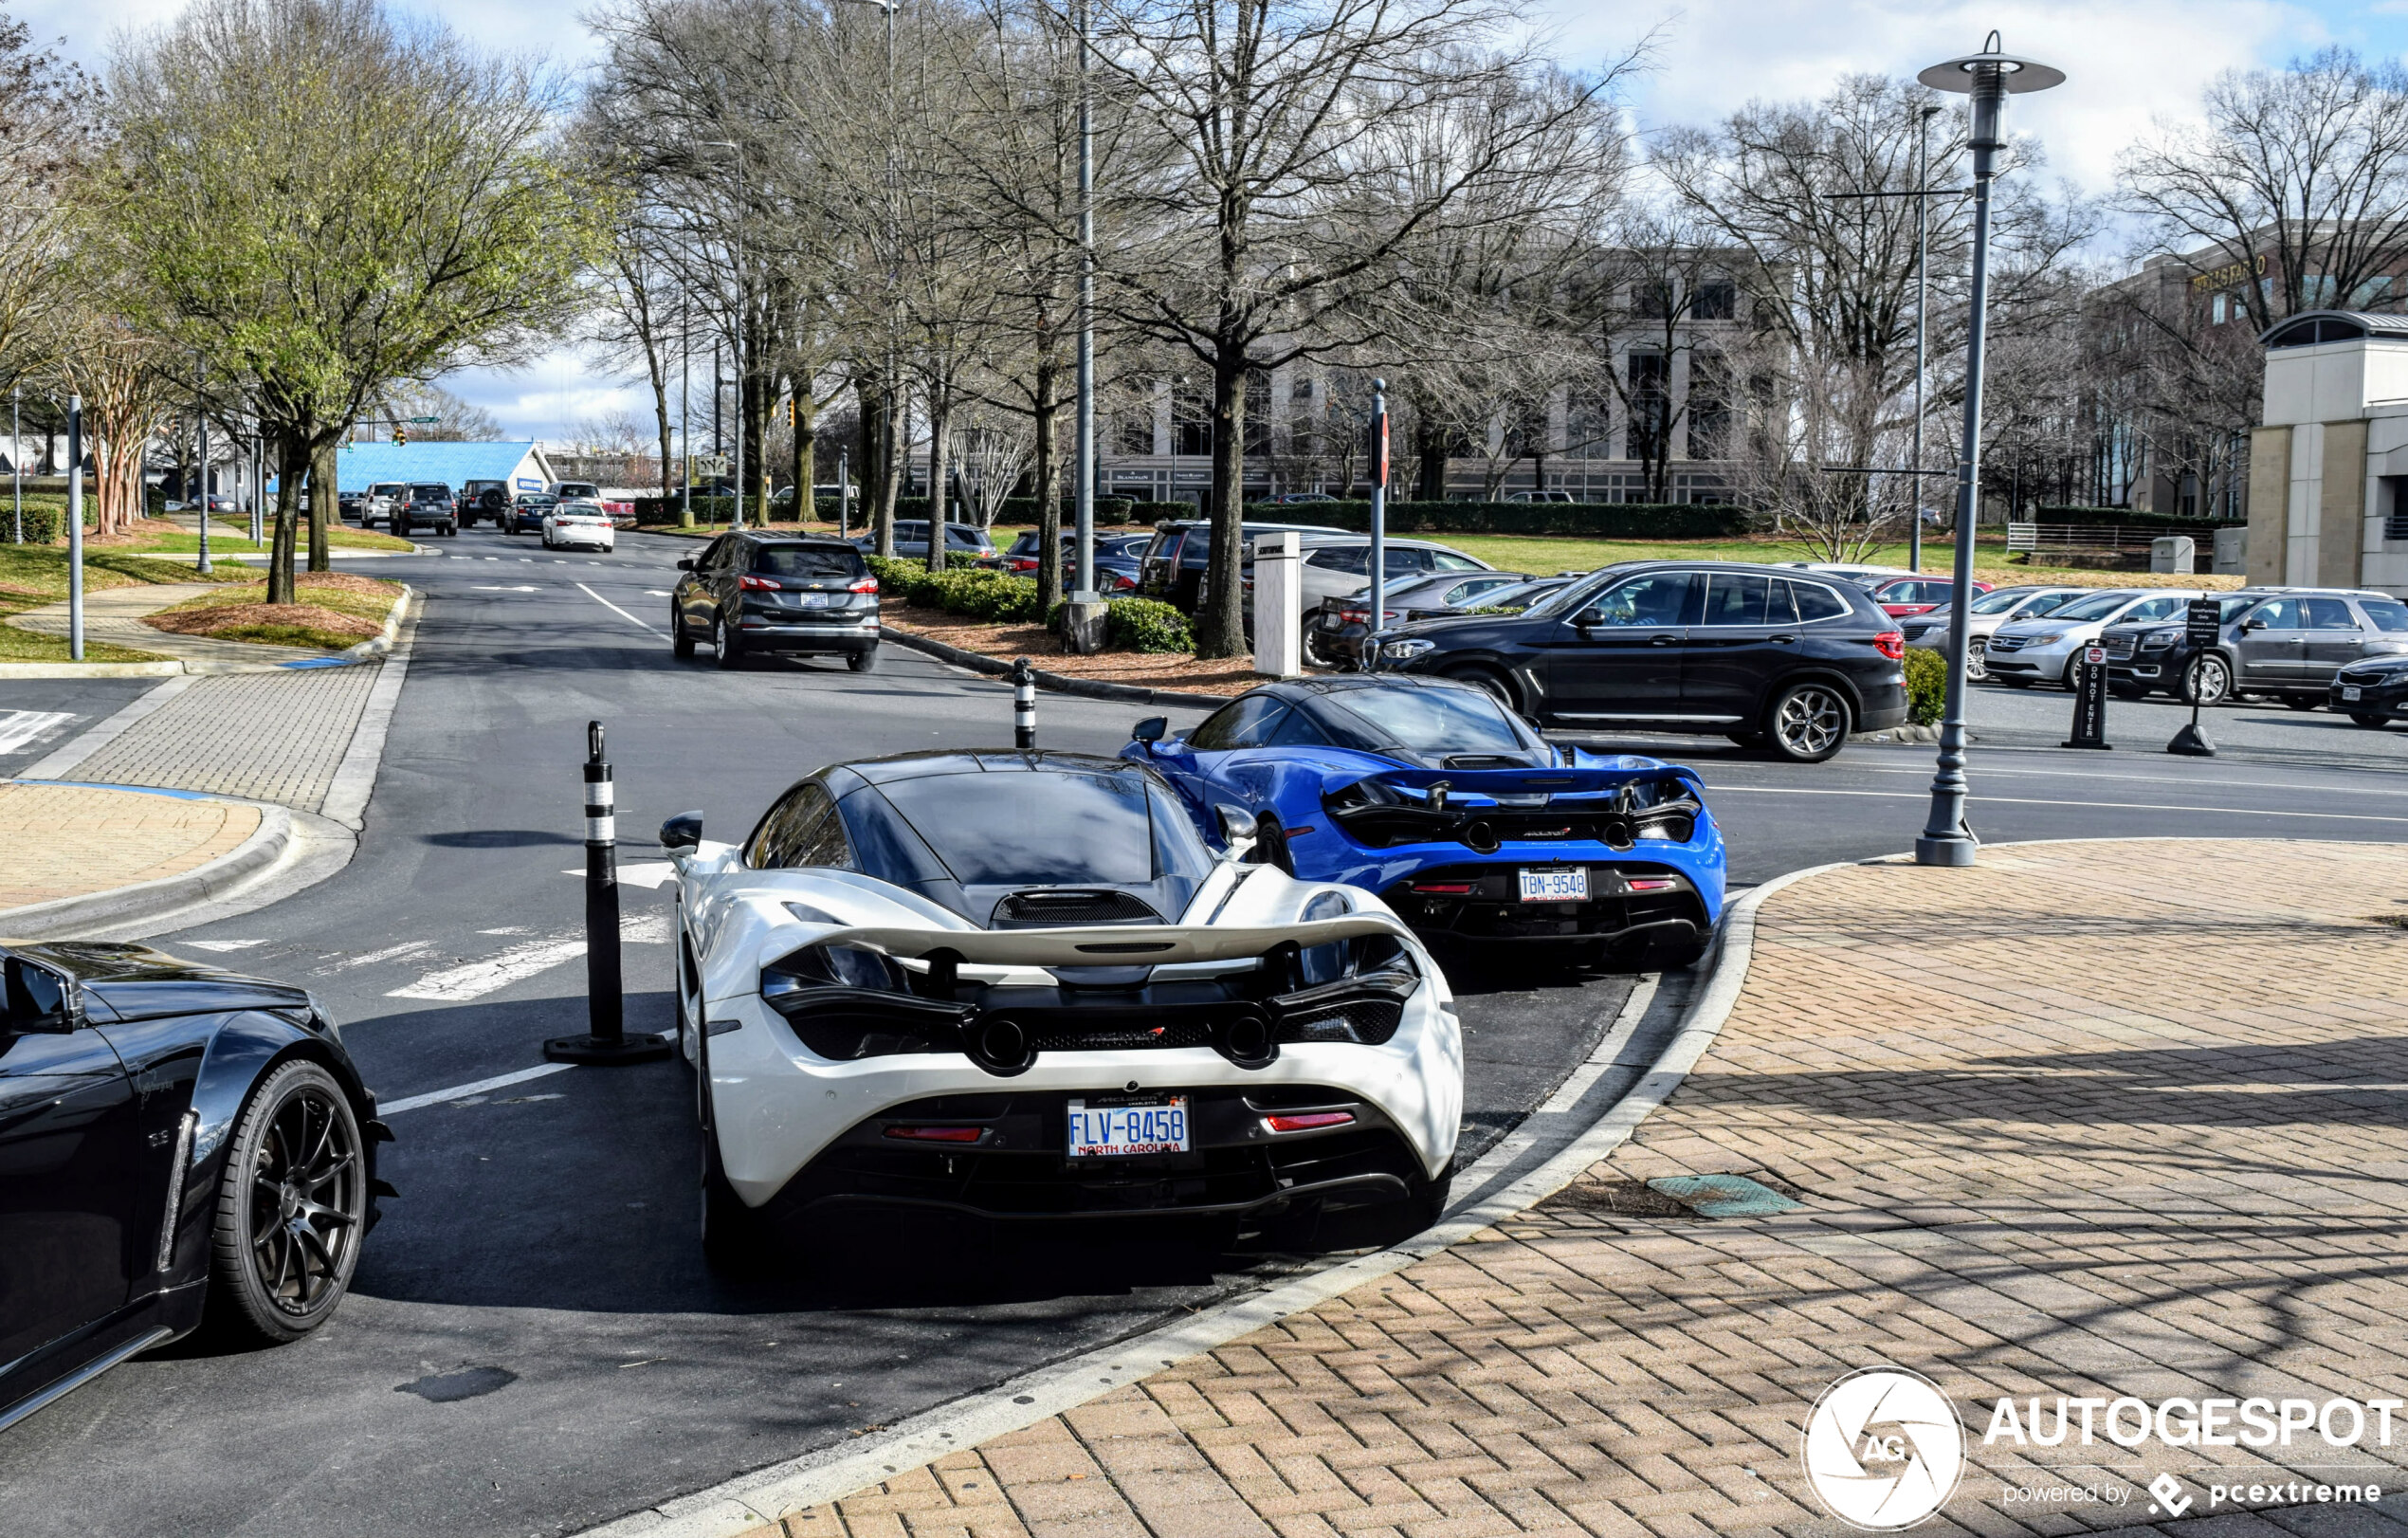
<point x="1116" y="559"/>
<point x="377" y="502"/>
<point x="1465" y="821"/>
<point x="1902" y="595"/>
<point x="2289" y="642"/>
<point x="1856" y="572"/>
<point x="1335" y="565"/>
<point x="897" y="969"/>
<point x="759" y="593"/>
<point x="2373" y="692"/>
<point x="2044" y="649"/>
<point x="1771" y="658"/>
<point x="427" y="506"/>
<point x="578" y="523"/>
<point x="488" y="500"/>
<point x="172" y="1135"/>
<point x="1556" y="496"/>
<point x="2000" y="606"/>
<point x="1334" y="632"/>
<point x="1299" y="499"/>
<point x="347" y="503"/>
<point x="966" y="544"/>
<point x="528" y="510"/>
<point x="1171" y="568"/>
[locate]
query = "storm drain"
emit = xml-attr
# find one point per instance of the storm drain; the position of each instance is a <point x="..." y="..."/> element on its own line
<point x="1723" y="1196"/>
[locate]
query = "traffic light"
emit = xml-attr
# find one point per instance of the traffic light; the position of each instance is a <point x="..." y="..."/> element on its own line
<point x="401" y="436"/>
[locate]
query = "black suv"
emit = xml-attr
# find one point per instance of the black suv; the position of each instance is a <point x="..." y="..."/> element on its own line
<point x="1171" y="568"/>
<point x="2285" y="641"/>
<point x="767" y="592"/>
<point x="485" y="499"/>
<point x="425" y="505"/>
<point x="1787" y="661"/>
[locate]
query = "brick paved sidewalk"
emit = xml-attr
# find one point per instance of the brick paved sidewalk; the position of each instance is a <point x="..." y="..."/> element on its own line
<point x="2089" y="1120"/>
<point x="267" y="736"/>
<point x="70" y="840"/>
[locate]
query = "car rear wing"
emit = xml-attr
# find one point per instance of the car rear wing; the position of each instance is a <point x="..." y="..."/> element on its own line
<point x="1109" y="946"/>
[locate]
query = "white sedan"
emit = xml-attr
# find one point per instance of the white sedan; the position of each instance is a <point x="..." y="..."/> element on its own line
<point x="579" y="523"/>
<point x="1019" y="986"/>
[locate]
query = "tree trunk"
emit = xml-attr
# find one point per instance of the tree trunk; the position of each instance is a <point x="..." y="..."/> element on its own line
<point x="1047" y="471"/>
<point x="806" y="453"/>
<point x="322" y="492"/>
<point x="1429" y="446"/>
<point x="878" y="465"/>
<point x="292" y="462"/>
<point x="661" y="420"/>
<point x="939" y="416"/>
<point x="1220" y="622"/>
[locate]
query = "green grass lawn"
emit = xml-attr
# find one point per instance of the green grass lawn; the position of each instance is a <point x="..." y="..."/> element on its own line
<point x="356" y="596"/>
<point x="31" y="645"/>
<point x="222" y="543"/>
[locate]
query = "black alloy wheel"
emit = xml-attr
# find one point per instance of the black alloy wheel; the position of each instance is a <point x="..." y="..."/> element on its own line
<point x="1807" y="722"/>
<point x="727" y="642"/>
<point x="292" y="1206"/>
<point x="2207" y="680"/>
<point x="680" y="644"/>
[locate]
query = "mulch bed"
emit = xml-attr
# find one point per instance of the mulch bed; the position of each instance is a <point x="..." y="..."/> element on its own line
<point x="218" y="619"/>
<point x="1147" y="670"/>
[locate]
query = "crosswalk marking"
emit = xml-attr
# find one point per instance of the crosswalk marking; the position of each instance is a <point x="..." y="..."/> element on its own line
<point x="20" y="729"/>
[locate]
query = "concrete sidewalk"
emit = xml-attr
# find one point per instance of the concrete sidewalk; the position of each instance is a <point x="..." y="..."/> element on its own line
<point x="2108" y="1121"/>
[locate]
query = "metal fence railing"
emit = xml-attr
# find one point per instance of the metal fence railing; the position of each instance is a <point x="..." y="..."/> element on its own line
<point x="2104" y="537"/>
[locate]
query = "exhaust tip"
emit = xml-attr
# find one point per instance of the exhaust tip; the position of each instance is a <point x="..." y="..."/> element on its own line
<point x="1247" y="1039"/>
<point x="1000" y="1046"/>
<point x="1480" y="837"/>
<point x="1619" y="835"/>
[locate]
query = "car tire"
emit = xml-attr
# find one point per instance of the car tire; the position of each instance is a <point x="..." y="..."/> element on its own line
<point x="2207" y="680"/>
<point x="2303" y="702"/>
<point x="680" y="644"/>
<point x="2370" y="718"/>
<point x="863" y="661"/>
<point x="1270" y="845"/>
<point x="727" y="646"/>
<point x="1429" y="1198"/>
<point x="1976" y="659"/>
<point x="280" y="1217"/>
<point x="1807" y="722"/>
<point x="1492" y="682"/>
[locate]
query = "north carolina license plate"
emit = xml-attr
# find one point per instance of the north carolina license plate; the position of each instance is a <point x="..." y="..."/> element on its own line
<point x="2350" y="691"/>
<point x="820" y="600"/>
<point x="1158" y="1127"/>
<point x="1556" y="884"/>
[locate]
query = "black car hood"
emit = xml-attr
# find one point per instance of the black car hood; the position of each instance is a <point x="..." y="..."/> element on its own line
<point x="138" y="982"/>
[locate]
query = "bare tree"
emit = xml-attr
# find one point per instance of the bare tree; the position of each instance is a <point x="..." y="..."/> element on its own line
<point x="454" y="420"/>
<point x="48" y="141"/>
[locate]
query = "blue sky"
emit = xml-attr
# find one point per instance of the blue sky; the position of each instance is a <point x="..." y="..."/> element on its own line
<point x="2128" y="63"/>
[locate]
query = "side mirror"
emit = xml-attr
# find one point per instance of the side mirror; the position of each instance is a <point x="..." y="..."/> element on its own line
<point x="1237" y="830"/>
<point x="1150" y="731"/>
<point x="685" y="563"/>
<point x="1587" y="617"/>
<point x="40" y="999"/>
<point x="2254" y="622"/>
<point x="681" y="834"/>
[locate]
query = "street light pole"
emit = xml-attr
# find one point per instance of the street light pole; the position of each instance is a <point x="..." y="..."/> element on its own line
<point x="1988" y="77"/>
<point x="200" y="427"/>
<point x="1922" y="306"/>
<point x="1083" y="532"/>
<point x="75" y="528"/>
<point x="16" y="456"/>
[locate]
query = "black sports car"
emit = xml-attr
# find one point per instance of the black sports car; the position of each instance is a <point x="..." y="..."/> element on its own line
<point x="170" y="1135"/>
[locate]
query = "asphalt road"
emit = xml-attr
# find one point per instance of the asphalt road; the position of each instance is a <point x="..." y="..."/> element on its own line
<point x="533" y="1344"/>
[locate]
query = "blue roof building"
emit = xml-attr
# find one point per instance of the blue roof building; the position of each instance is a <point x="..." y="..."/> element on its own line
<point x="520" y="465"/>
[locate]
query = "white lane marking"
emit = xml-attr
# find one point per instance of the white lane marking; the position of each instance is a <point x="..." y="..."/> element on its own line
<point x="505" y="929"/>
<point x="657" y="593"/>
<point x="612" y="607"/>
<point x="19" y="728"/>
<point x="496" y="587"/>
<point x="222" y="944"/>
<point x="2059" y="800"/>
<point x="652" y="874"/>
<point x="645" y="929"/>
<point x="526" y="560"/>
<point x="408" y="951"/>
<point x="458" y="1092"/>
<point x="493" y="557"/>
<point x="474" y="980"/>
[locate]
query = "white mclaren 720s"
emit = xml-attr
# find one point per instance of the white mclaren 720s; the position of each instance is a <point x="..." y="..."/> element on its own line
<point x="1019" y="986"/>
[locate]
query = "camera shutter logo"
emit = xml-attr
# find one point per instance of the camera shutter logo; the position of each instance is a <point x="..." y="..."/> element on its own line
<point x="1884" y="1449"/>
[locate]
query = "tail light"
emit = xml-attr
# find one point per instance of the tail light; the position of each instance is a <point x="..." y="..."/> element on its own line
<point x="867" y="584"/>
<point x="1652" y="884"/>
<point x="938" y="1134"/>
<point x="1443" y="888"/>
<point x="1892" y="644"/>
<point x="1307" y="1121"/>
<point x="759" y="584"/>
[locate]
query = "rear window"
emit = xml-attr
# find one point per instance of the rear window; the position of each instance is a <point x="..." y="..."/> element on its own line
<point x="808" y="560"/>
<point x="1433" y="720"/>
<point x="2387" y="616"/>
<point x="1815" y="601"/>
<point x="430" y="492"/>
<point x="2099" y="607"/>
<point x="1033" y="828"/>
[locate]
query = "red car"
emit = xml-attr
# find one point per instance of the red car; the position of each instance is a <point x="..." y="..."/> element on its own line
<point x="1903" y="596"/>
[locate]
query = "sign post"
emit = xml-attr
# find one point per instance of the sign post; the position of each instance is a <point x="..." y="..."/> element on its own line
<point x="2090" y="698"/>
<point x="1378" y="524"/>
<point x="2201" y="626"/>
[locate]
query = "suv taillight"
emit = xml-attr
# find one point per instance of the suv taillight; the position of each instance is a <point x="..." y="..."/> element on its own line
<point x="867" y="584"/>
<point x="759" y="584"/>
<point x="1892" y="644"/>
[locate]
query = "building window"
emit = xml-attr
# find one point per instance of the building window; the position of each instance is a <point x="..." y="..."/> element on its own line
<point x="1588" y="428"/>
<point x="1710" y="412"/>
<point x="1190" y="417"/>
<point x="1258" y="412"/>
<point x="2216" y="309"/>
<point x="1133" y="426"/>
<point x="2371" y="295"/>
<point x="1717" y="299"/>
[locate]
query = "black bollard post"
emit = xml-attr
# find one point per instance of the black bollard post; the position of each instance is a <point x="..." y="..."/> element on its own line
<point x="1024" y="705"/>
<point x="2090" y="700"/>
<point x="2202" y="622"/>
<point x="605" y="1039"/>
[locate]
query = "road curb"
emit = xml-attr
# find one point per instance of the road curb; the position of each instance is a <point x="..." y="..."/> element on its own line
<point x="346" y="799"/>
<point x="66" y="917"/>
<point x="1059" y="683"/>
<point x="171" y="668"/>
<point x="830" y="1474"/>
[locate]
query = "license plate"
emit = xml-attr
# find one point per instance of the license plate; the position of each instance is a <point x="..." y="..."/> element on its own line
<point x="1155" y="1127"/>
<point x="820" y="600"/>
<point x="2350" y="691"/>
<point x="1556" y="884"/>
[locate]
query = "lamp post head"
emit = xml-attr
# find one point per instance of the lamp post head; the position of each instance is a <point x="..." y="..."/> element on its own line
<point x="1989" y="77"/>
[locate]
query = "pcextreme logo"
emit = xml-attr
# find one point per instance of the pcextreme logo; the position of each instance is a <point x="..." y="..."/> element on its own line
<point x="1884" y="1449"/>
